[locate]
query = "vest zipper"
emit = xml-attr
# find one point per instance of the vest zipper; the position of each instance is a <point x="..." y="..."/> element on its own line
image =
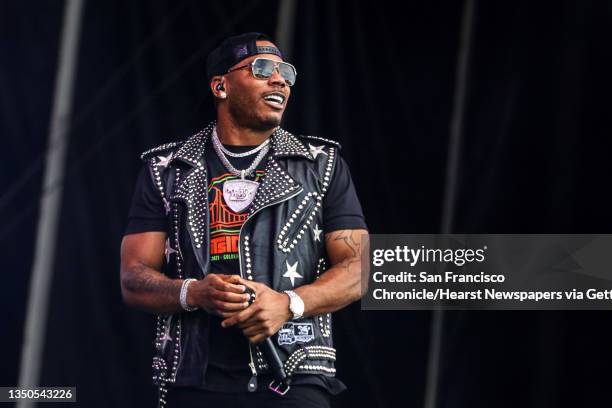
<point x="252" y="385"/>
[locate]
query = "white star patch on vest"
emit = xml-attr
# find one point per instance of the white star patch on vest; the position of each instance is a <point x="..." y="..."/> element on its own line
<point x="169" y="250"/>
<point x="292" y="272"/>
<point x="316" y="150"/>
<point x="317" y="233"/>
<point x="164" y="160"/>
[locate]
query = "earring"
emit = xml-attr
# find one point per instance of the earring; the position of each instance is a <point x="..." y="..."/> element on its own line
<point x="222" y="95"/>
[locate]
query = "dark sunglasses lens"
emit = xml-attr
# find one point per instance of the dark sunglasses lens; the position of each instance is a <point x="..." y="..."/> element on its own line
<point x="287" y="72"/>
<point x="263" y="68"/>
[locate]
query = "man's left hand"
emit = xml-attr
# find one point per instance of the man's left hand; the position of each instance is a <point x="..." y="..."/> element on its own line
<point x="264" y="317"/>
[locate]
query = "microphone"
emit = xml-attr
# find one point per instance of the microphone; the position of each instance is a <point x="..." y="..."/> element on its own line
<point x="281" y="382"/>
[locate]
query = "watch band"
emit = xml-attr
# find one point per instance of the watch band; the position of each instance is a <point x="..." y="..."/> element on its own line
<point x="296" y="304"/>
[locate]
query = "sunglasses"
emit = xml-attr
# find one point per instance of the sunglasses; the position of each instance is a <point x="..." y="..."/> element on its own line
<point x="263" y="68"/>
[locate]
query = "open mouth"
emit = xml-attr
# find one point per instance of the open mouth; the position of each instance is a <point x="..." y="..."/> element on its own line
<point x="275" y="98"/>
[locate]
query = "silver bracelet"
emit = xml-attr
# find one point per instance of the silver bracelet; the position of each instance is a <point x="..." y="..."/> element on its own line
<point x="183" y="296"/>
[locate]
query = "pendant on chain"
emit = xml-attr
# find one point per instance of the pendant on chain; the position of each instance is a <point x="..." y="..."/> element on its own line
<point x="239" y="193"/>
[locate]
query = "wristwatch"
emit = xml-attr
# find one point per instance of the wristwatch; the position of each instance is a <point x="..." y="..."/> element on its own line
<point x="296" y="304"/>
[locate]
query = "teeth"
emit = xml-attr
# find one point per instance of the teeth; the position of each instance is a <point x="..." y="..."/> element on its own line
<point x="275" y="98"/>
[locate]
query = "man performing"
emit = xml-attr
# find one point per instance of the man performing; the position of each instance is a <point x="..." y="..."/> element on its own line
<point x="242" y="240"/>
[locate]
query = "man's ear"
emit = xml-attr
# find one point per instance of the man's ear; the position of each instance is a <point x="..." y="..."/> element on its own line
<point x="217" y="86"/>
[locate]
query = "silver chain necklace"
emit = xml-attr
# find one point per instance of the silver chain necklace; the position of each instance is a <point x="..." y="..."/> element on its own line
<point x="239" y="193"/>
<point x="243" y="154"/>
<point x="263" y="150"/>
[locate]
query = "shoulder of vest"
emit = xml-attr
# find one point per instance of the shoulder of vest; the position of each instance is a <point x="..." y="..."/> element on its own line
<point x="316" y="139"/>
<point x="160" y="150"/>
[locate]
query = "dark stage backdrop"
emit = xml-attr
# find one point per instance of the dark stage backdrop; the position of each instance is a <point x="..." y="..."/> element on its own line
<point x="377" y="77"/>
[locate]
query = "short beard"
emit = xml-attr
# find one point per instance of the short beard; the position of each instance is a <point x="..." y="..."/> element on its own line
<point x="245" y="117"/>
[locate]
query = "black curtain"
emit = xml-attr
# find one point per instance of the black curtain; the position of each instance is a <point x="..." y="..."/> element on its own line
<point x="378" y="77"/>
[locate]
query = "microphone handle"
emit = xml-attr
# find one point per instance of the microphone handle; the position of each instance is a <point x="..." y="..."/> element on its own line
<point x="269" y="351"/>
<point x="274" y="361"/>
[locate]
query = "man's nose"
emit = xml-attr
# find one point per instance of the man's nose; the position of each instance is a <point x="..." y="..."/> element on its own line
<point x="276" y="78"/>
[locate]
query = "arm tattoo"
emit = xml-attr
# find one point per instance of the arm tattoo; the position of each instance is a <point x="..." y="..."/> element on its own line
<point x="143" y="278"/>
<point x="352" y="240"/>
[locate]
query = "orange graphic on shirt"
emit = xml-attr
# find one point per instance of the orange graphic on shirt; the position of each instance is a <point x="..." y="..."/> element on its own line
<point x="224" y="223"/>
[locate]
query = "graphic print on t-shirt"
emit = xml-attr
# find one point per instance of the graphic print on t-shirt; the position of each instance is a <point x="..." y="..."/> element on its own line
<point x="224" y="223"/>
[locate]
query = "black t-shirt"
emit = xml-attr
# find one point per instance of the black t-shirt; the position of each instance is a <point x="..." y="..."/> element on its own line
<point x="228" y="369"/>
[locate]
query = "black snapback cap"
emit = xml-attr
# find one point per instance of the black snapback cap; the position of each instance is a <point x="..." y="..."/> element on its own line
<point x="234" y="49"/>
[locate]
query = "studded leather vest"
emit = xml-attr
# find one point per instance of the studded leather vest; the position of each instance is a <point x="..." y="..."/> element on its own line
<point x="280" y="244"/>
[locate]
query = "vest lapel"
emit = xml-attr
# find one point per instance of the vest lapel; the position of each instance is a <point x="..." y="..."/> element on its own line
<point x="191" y="191"/>
<point x="277" y="184"/>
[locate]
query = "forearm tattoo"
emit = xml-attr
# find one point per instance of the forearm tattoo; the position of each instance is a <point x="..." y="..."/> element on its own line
<point x="144" y="278"/>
